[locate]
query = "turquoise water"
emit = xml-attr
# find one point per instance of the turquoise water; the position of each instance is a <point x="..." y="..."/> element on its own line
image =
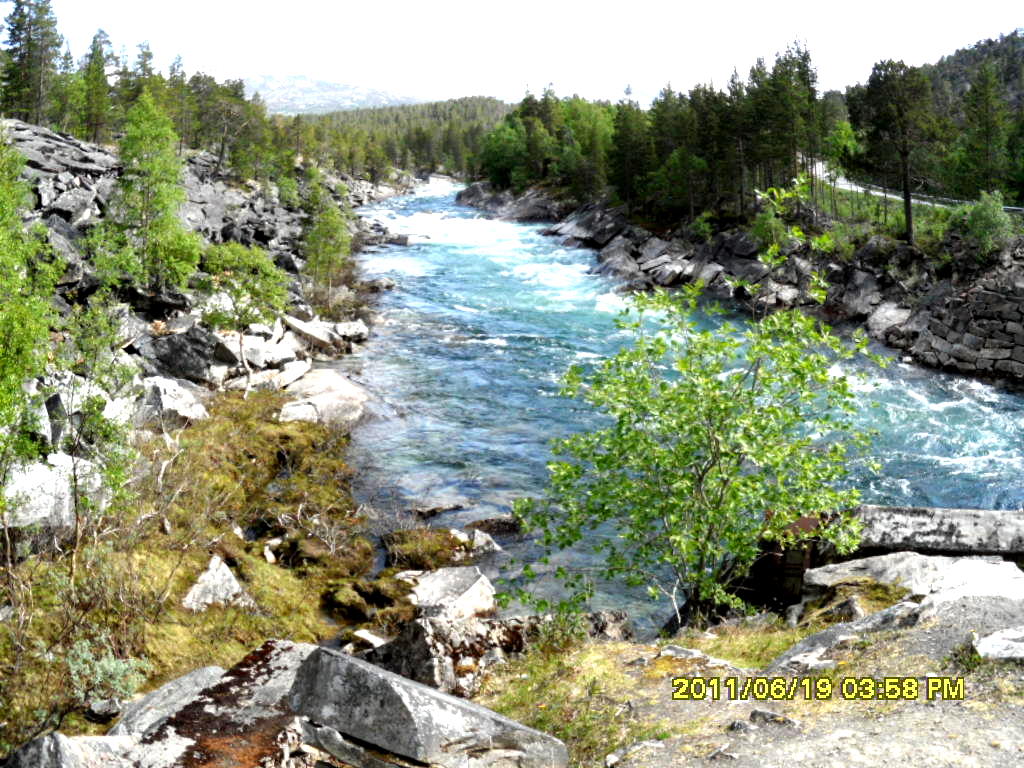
<point x="467" y="352"/>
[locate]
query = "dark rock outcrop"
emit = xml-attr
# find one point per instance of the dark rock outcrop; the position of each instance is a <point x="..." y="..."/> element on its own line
<point x="284" y="705"/>
<point x="978" y="329"/>
<point x="534" y="205"/>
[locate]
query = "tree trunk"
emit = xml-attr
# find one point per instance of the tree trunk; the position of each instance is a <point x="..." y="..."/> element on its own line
<point x="908" y="211"/>
<point x="245" y="365"/>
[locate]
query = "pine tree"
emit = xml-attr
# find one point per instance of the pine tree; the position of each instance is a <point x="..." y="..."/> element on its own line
<point x="1016" y="152"/>
<point x="986" y="132"/>
<point x="155" y="248"/>
<point x="632" y="154"/>
<point x="67" y="96"/>
<point x="33" y="47"/>
<point x="96" y="115"/>
<point x="181" y="104"/>
<point x="898" y="114"/>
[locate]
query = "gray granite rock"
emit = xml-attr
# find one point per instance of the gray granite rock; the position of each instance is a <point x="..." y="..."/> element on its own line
<point x="145" y="715"/>
<point x="217" y="585"/>
<point x="325" y="396"/>
<point x="376" y="707"/>
<point x="1005" y="645"/>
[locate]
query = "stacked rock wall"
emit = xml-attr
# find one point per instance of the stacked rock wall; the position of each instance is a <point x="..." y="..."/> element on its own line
<point x="978" y="330"/>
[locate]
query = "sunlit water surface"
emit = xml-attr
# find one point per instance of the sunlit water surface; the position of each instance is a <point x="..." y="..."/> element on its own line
<point x="466" y="356"/>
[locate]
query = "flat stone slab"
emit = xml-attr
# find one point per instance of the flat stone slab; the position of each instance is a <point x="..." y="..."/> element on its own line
<point x="1005" y="645"/>
<point x="411" y="720"/>
<point x="931" y="529"/>
<point x="451" y="593"/>
<point x="327" y="397"/>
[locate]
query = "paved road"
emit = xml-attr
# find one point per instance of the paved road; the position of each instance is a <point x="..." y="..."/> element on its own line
<point x="852" y="186"/>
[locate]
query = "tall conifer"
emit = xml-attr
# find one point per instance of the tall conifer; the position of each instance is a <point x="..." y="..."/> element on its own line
<point x="33" y="47"/>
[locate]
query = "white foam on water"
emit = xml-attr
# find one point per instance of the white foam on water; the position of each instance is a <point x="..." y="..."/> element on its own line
<point x="489" y="342"/>
<point x="553" y="274"/>
<point x="609" y="302"/>
<point x="463" y="308"/>
<point x="402" y="265"/>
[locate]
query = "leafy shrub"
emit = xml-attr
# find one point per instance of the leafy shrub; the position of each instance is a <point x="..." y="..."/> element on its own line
<point x="288" y="192"/>
<point x="708" y="450"/>
<point x="984" y="225"/>
<point x="701" y="226"/>
<point x="768" y="229"/>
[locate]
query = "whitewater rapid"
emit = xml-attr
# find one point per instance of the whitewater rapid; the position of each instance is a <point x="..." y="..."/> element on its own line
<point x="467" y="352"/>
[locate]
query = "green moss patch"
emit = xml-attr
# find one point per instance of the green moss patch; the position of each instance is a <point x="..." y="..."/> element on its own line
<point x="424" y="549"/>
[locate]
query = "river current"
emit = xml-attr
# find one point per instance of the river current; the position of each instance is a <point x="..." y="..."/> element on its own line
<point x="466" y="356"/>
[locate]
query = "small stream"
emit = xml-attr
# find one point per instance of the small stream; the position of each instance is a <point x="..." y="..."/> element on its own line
<point x="466" y="356"/>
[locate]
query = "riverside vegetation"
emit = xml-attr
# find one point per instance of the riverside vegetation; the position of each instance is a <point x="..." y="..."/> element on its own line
<point x="91" y="603"/>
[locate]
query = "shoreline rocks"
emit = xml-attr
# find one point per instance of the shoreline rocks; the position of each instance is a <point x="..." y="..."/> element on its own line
<point x="972" y="327"/>
<point x="288" y="704"/>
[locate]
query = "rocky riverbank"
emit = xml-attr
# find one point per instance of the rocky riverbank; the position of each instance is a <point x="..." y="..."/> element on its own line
<point x="969" y="323"/>
<point x="178" y="360"/>
<point x="394" y="688"/>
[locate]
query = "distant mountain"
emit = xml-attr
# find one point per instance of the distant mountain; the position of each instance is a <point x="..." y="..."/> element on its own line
<point x="951" y="75"/>
<point x="298" y="94"/>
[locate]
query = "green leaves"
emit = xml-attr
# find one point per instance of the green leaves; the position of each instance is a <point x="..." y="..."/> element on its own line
<point x="715" y="440"/>
<point x="27" y="277"/>
<point x="327" y="242"/>
<point x="255" y="289"/>
<point x="154" y="246"/>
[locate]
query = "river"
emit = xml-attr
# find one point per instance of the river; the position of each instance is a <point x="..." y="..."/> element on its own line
<point x="467" y="352"/>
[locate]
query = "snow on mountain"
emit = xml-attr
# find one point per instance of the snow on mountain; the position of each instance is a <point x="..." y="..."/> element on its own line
<point x="298" y="94"/>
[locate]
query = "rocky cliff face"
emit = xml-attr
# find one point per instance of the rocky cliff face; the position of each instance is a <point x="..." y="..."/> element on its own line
<point x="178" y="359"/>
<point x="72" y="182"/>
<point x="534" y="205"/>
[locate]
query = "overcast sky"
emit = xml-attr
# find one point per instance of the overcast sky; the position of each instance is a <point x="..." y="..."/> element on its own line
<point x="446" y="49"/>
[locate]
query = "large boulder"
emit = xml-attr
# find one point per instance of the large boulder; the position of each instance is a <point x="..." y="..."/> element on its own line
<point x="457" y="593"/>
<point x="325" y="396"/>
<point x="934" y="578"/>
<point x="480" y="194"/>
<point x="616" y="260"/>
<point x="39" y="494"/>
<point x="145" y="715"/>
<point x="193" y="355"/>
<point x="986" y="594"/>
<point x="242" y="719"/>
<point x="315" y="332"/>
<point x="59" y="751"/>
<point x="1004" y="645"/>
<point x="169" y="403"/>
<point x="887" y="318"/>
<point x="415" y="722"/>
<point x="354" y="330"/>
<point x="593" y="225"/>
